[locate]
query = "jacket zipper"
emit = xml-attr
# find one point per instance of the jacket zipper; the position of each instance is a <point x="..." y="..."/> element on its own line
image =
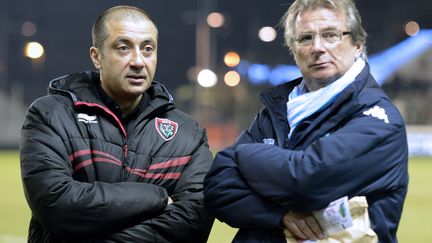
<point x="125" y="148"/>
<point x="119" y="124"/>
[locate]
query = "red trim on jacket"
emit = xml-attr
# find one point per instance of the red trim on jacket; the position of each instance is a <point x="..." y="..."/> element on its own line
<point x="88" y="151"/>
<point x="169" y="175"/>
<point x="171" y="163"/>
<point x="108" y="111"/>
<point x="139" y="172"/>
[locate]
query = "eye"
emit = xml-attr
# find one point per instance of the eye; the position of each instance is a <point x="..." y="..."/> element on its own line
<point x="123" y="49"/>
<point x="330" y="36"/>
<point x="304" y="39"/>
<point x="147" y="50"/>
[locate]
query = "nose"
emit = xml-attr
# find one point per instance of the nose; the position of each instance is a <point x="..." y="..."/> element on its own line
<point x="318" y="44"/>
<point x="137" y="60"/>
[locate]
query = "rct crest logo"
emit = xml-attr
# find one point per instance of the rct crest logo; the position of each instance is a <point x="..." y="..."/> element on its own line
<point x="377" y="112"/>
<point x="82" y="117"/>
<point x="167" y="129"/>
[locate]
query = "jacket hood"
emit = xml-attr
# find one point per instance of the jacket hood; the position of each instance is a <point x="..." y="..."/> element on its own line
<point x="80" y="87"/>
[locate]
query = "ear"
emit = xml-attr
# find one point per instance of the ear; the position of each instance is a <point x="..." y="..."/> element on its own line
<point x="359" y="50"/>
<point x="95" y="56"/>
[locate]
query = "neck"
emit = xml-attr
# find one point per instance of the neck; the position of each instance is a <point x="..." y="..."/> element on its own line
<point x="129" y="106"/>
<point x="313" y="85"/>
<point x="126" y="104"/>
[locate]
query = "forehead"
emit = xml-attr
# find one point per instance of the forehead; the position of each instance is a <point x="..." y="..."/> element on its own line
<point x="131" y="27"/>
<point x="320" y="18"/>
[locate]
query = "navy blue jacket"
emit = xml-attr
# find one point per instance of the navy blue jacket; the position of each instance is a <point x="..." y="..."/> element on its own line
<point x="355" y="147"/>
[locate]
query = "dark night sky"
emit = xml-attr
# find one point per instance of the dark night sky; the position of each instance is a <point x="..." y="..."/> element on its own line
<point x="64" y="28"/>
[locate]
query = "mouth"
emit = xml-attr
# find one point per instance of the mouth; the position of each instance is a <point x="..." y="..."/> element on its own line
<point x="135" y="78"/>
<point x="319" y="65"/>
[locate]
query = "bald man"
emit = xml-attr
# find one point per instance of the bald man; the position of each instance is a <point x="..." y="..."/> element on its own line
<point x="106" y="156"/>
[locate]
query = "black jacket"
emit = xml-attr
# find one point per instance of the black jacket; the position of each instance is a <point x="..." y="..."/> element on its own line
<point x="89" y="176"/>
<point x="354" y="147"/>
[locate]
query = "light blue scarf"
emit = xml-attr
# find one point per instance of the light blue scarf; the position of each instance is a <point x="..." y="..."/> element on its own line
<point x="302" y="104"/>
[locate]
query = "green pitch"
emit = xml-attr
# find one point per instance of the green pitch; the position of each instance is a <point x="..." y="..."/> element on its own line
<point x="415" y="226"/>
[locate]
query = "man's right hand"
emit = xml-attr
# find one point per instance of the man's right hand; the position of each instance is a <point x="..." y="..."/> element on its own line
<point x="302" y="225"/>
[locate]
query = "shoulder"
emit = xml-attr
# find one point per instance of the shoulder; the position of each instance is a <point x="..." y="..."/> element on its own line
<point x="51" y="103"/>
<point x="182" y="124"/>
<point x="376" y="103"/>
<point x="262" y="120"/>
<point x="49" y="109"/>
<point x="186" y="120"/>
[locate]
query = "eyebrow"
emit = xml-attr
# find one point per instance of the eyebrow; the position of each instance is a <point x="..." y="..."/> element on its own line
<point x="321" y="30"/>
<point x="122" y="39"/>
<point x="329" y="28"/>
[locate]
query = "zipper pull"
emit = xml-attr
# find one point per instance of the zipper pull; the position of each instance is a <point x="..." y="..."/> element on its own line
<point x="125" y="150"/>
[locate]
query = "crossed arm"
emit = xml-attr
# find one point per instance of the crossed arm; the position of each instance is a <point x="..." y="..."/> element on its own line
<point x="107" y="211"/>
<point x="303" y="180"/>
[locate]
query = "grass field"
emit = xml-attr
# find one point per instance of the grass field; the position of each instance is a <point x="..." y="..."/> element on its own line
<point x="415" y="226"/>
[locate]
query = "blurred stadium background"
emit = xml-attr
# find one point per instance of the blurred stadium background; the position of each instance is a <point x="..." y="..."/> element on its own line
<point x="215" y="56"/>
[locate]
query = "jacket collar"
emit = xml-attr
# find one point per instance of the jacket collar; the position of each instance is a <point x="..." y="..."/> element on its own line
<point x="82" y="87"/>
<point x="275" y="100"/>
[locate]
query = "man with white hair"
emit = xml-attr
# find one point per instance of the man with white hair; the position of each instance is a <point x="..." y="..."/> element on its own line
<point x="329" y="135"/>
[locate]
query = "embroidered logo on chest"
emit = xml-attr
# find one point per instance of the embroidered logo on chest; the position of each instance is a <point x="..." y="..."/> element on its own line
<point x="167" y="129"/>
<point x="82" y="117"/>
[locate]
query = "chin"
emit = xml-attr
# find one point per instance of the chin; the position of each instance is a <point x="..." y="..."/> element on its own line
<point x="139" y="89"/>
<point x="325" y="77"/>
<point x="139" y="92"/>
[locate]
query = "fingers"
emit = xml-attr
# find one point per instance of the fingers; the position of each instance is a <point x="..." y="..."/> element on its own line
<point x="303" y="226"/>
<point x="314" y="226"/>
<point x="306" y="230"/>
<point x="293" y="228"/>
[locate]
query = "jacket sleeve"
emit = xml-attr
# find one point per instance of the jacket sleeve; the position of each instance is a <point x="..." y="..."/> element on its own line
<point x="230" y="198"/>
<point x="366" y="156"/>
<point x="69" y="208"/>
<point x="184" y="220"/>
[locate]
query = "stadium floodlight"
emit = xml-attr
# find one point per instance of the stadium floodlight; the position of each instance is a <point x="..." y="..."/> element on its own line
<point x="207" y="78"/>
<point x="33" y="50"/>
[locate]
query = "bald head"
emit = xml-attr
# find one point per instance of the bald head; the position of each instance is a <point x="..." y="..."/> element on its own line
<point x="117" y="13"/>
